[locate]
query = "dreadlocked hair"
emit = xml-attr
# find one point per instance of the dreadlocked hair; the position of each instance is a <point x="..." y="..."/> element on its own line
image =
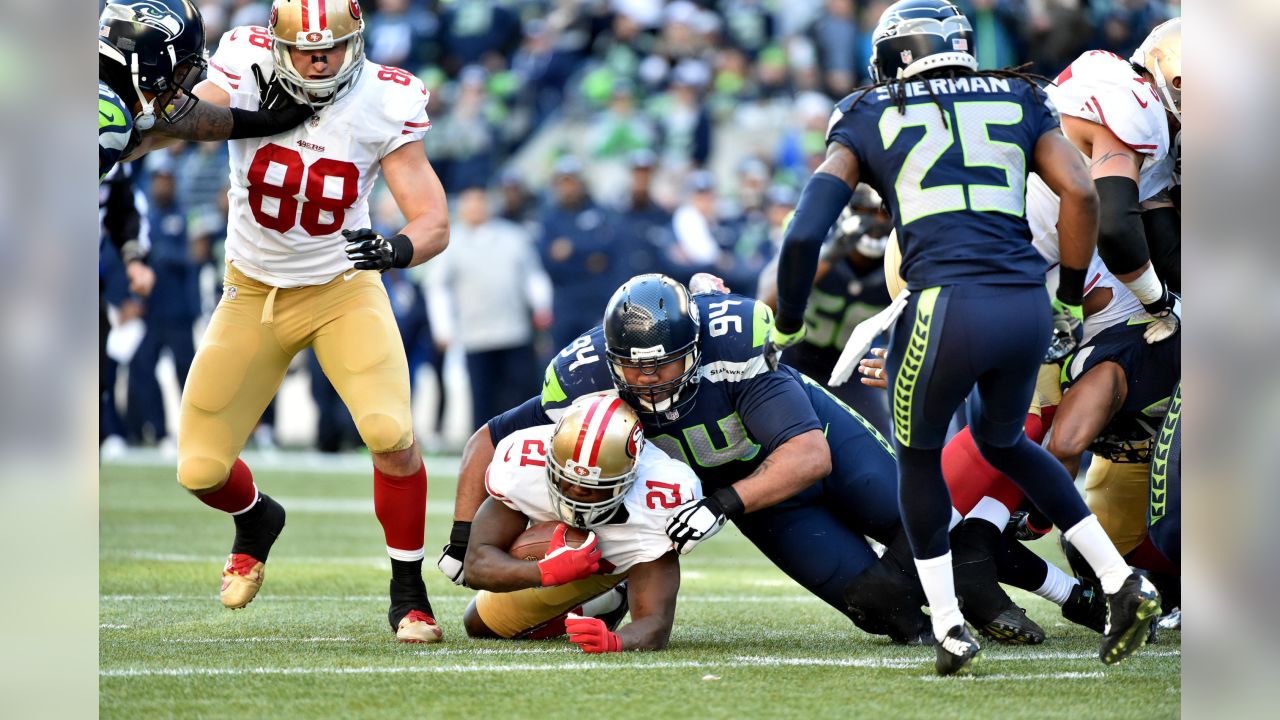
<point x="897" y="87"/>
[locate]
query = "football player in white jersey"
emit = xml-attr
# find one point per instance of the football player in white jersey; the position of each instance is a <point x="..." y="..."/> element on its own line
<point x="593" y="470"/>
<point x="1121" y="114"/>
<point x="302" y="272"/>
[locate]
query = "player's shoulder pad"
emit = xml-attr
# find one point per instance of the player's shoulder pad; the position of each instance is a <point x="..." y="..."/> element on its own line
<point x="500" y="477"/>
<point x="655" y="464"/>
<point x="402" y="96"/>
<point x="846" y="104"/>
<point x="113" y="114"/>
<point x="1102" y="87"/>
<point x="580" y="369"/>
<point x="240" y="48"/>
<point x="733" y="330"/>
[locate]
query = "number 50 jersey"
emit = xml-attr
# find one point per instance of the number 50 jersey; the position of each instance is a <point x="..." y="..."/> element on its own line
<point x="952" y="169"/>
<point x="292" y="194"/>
<point x="517" y="477"/>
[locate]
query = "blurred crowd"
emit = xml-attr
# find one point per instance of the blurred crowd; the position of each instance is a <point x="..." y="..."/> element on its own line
<point x="581" y="142"/>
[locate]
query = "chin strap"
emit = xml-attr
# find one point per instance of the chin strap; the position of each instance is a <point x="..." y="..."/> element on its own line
<point x="146" y="119"/>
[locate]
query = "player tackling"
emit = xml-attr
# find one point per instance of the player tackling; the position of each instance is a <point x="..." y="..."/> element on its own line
<point x="299" y="251"/>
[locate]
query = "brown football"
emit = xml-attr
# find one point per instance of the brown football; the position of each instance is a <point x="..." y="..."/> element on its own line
<point x="532" y="543"/>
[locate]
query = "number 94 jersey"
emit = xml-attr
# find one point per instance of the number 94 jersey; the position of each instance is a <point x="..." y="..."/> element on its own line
<point x="292" y="194"/>
<point x="517" y="477"/>
<point x="952" y="169"/>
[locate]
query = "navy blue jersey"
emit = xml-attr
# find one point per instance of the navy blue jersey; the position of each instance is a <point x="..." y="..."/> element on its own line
<point x="838" y="302"/>
<point x="741" y="413"/>
<point x="956" y="188"/>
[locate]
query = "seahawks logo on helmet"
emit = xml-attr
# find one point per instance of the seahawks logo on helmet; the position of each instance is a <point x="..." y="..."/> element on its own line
<point x="156" y="15"/>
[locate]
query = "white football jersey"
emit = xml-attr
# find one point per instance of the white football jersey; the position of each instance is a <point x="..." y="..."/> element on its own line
<point x="292" y="194"/>
<point x="1042" y="216"/>
<point x="1102" y="87"/>
<point x="517" y="476"/>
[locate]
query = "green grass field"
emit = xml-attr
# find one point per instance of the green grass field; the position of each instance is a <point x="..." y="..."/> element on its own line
<point x="748" y="642"/>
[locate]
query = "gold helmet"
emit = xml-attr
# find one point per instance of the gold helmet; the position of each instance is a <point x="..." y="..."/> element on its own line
<point x="1161" y="55"/>
<point x="594" y="446"/>
<point x="317" y="25"/>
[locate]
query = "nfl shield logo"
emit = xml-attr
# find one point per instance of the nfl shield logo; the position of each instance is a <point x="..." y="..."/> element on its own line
<point x="906" y="57"/>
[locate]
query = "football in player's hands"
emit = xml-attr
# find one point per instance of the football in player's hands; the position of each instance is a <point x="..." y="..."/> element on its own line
<point x="534" y="542"/>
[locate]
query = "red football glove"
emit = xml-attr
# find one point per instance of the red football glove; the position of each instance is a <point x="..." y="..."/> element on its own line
<point x="591" y="634"/>
<point x="564" y="564"/>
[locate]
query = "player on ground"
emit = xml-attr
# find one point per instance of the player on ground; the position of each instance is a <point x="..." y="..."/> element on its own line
<point x="150" y="54"/>
<point x="592" y="469"/>
<point x="775" y="452"/>
<point x="302" y="271"/>
<point x="949" y="149"/>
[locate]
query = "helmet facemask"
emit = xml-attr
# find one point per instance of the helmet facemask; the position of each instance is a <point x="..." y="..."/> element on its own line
<point x="594" y="446"/>
<point x="291" y="27"/>
<point x="660" y="397"/>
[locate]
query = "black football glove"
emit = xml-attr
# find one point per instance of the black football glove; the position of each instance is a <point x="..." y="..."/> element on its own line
<point x="370" y="251"/>
<point x="1068" y="331"/>
<point x="450" y="562"/>
<point x="277" y="110"/>
<point x="1028" y="525"/>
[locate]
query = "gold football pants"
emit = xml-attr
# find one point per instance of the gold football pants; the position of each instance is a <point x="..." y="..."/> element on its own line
<point x="1117" y="494"/>
<point x="254" y="334"/>
<point x="508" y="614"/>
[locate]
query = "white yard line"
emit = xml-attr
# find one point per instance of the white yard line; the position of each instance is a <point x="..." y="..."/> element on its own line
<point x="239" y="640"/>
<point x="1020" y="677"/>
<point x="896" y="663"/>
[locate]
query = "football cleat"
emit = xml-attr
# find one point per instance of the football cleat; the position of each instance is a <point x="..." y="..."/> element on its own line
<point x="241" y="580"/>
<point x="610" y="607"/>
<point x="1087" y="606"/>
<point x="418" y="627"/>
<point x="1013" y="627"/>
<point x="1130" y="612"/>
<point x="956" y="651"/>
<point x="1172" y="620"/>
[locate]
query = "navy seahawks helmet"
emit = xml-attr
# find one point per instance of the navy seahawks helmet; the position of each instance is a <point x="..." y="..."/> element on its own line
<point x="650" y="322"/>
<point x="918" y="35"/>
<point x="159" y="46"/>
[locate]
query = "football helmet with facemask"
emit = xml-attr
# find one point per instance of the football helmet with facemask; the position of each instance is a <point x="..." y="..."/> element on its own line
<point x="914" y="36"/>
<point x="317" y="25"/>
<point x="594" y="446"/>
<point x="148" y="50"/>
<point x="650" y="323"/>
<point x="1161" y="55"/>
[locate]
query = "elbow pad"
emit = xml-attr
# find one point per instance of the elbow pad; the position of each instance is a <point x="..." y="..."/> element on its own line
<point x="1122" y="242"/>
<point x="821" y="202"/>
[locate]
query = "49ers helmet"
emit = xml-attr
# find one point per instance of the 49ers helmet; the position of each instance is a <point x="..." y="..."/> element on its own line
<point x="914" y="36"/>
<point x="317" y="25"/>
<point x="594" y="446"/>
<point x="152" y="48"/>
<point x="1161" y="55"/>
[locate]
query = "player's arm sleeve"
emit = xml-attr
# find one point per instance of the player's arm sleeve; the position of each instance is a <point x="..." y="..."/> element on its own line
<point x="406" y="111"/>
<point x="775" y="408"/>
<point x="122" y="221"/>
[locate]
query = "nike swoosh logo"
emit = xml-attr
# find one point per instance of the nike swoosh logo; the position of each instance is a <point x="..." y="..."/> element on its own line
<point x="105" y="116"/>
<point x="233" y="35"/>
<point x="1135" y="97"/>
<point x="507" y="457"/>
<point x="348" y="276"/>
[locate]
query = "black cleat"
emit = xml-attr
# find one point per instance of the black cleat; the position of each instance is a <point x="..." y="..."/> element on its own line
<point x="1086" y="606"/>
<point x="955" y="651"/>
<point x="1130" y="612"/>
<point x="1013" y="627"/>
<point x="610" y="607"/>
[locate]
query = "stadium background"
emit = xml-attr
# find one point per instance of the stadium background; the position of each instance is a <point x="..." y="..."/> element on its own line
<point x="719" y="107"/>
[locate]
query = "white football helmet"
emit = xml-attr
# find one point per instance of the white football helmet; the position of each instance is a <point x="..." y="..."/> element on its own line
<point x="317" y="25"/>
<point x="1161" y="55"/>
<point x="594" y="446"/>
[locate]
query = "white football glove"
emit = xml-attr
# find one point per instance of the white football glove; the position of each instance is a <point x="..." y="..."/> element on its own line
<point x="696" y="521"/>
<point x="1167" y="323"/>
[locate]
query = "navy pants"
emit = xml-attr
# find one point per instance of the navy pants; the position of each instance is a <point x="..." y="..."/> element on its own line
<point x="986" y="343"/>
<point x="501" y="380"/>
<point x="817" y="537"/>
<point x="145" y="402"/>
<point x="1164" y="516"/>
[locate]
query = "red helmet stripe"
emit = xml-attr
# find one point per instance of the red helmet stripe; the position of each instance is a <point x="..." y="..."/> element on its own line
<point x="582" y="433"/>
<point x="324" y="19"/>
<point x="306" y="15"/>
<point x="604" y="426"/>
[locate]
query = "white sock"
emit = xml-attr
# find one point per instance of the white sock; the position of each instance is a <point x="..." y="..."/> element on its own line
<point x="940" y="589"/>
<point x="1057" y="585"/>
<point x="991" y="510"/>
<point x="1091" y="540"/>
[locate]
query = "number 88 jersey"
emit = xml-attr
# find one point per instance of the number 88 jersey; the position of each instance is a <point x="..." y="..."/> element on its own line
<point x="292" y="194"/>
<point x="517" y="477"/>
<point x="952" y="168"/>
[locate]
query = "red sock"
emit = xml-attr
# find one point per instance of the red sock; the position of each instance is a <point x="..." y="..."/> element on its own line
<point x="401" y="506"/>
<point x="238" y="495"/>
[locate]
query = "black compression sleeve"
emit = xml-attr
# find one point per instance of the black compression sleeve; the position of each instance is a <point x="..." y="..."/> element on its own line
<point x="821" y="202"/>
<point x="1164" y="236"/>
<point x="1071" y="285"/>
<point x="1122" y="242"/>
<point x="264" y="123"/>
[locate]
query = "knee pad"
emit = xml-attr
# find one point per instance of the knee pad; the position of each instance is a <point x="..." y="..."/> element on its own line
<point x="383" y="433"/>
<point x="202" y="474"/>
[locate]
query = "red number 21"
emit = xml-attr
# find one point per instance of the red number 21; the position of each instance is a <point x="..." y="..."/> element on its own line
<point x="662" y="494"/>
